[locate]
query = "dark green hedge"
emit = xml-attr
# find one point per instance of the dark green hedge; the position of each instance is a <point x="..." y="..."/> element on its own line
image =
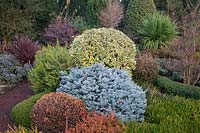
<point x="169" y="115"/>
<point x="21" y="112"/>
<point x="171" y="87"/>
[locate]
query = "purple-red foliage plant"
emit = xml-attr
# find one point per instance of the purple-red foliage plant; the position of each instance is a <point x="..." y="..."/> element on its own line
<point x="24" y="49"/>
<point x="60" y="30"/>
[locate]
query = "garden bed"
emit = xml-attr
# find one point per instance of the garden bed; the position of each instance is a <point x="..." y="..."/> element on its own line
<point x="7" y="101"/>
<point x="4" y="87"/>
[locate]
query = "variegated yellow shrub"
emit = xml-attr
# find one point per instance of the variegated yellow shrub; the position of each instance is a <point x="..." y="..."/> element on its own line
<point x="104" y="45"/>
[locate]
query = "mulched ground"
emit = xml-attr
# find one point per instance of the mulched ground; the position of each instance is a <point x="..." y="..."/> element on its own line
<point x="7" y="101"/>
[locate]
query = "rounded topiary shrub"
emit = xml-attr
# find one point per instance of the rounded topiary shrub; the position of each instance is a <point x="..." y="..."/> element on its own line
<point x="21" y="113"/>
<point x="51" y="112"/>
<point x="106" y="90"/>
<point x="108" y="46"/>
<point x="48" y="63"/>
<point x="136" y="12"/>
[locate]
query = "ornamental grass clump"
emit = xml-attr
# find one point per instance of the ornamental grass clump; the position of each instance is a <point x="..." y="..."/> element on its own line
<point x="106" y="90"/>
<point x="104" y="45"/>
<point x="157" y="31"/>
<point x="24" y="49"/>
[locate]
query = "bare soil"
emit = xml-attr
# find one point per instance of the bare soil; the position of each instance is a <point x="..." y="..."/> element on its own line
<point x="15" y="95"/>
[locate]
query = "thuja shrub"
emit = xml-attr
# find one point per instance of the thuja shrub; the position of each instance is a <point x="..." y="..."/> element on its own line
<point x="136" y="12"/>
<point x="48" y="63"/>
<point x="104" y="45"/>
<point x="97" y="123"/>
<point x="105" y="90"/>
<point x="60" y="30"/>
<point x="52" y="111"/>
<point x="10" y="69"/>
<point x="24" y="49"/>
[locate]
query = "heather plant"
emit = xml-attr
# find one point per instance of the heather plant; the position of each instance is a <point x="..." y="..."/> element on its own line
<point x="60" y="30"/>
<point x="24" y="49"/>
<point x="169" y="114"/>
<point x="112" y="14"/>
<point x="157" y="31"/>
<point x="48" y="63"/>
<point x="105" y="90"/>
<point x="51" y="112"/>
<point x="104" y="45"/>
<point x="10" y="69"/>
<point x="146" y="67"/>
<point x="137" y="11"/>
<point x="97" y="123"/>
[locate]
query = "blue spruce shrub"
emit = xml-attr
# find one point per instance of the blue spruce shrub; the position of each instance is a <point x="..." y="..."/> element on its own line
<point x="106" y="90"/>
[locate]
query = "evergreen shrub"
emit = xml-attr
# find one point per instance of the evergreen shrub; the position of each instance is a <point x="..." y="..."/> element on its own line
<point x="21" y="113"/>
<point x="104" y="45"/>
<point x="48" y="63"/>
<point x="97" y="123"/>
<point x="169" y="114"/>
<point x="166" y="85"/>
<point x="10" y="69"/>
<point x="106" y="90"/>
<point x="51" y="112"/>
<point x="137" y="11"/>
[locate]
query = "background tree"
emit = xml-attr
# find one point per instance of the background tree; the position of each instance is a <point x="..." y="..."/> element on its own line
<point x="112" y="14"/>
<point x="25" y="17"/>
<point x="14" y="19"/>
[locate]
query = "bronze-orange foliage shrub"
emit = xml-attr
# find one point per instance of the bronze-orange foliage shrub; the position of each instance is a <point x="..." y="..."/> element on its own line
<point x="51" y="112"/>
<point x="97" y="123"/>
<point x="112" y="14"/>
<point x="146" y="67"/>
